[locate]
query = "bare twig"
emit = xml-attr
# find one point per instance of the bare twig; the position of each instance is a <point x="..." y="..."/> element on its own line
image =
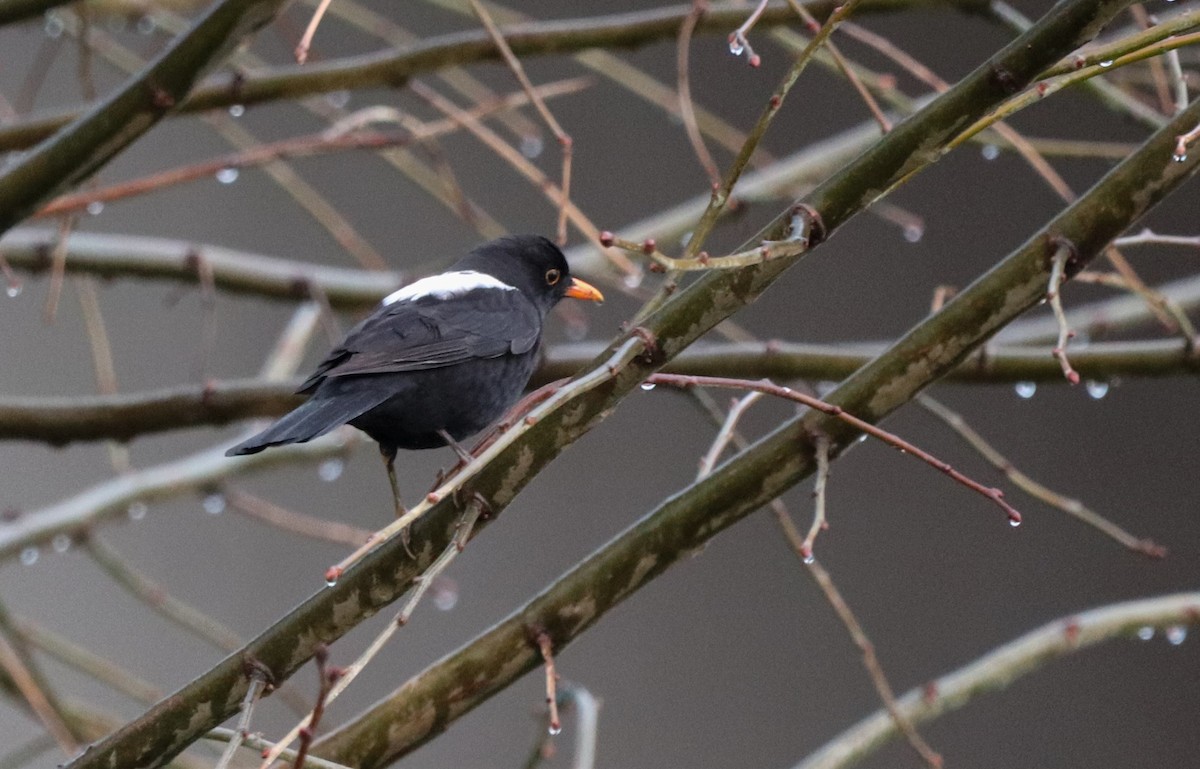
<point x="687" y="111"/>
<point x="1053" y="296"/>
<point x="820" y="481"/>
<point x="726" y="433"/>
<point x="257" y="683"/>
<point x="546" y="647"/>
<point x="306" y="41"/>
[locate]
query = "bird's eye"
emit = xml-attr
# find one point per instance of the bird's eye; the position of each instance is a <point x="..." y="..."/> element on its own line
<point x="553" y="276"/>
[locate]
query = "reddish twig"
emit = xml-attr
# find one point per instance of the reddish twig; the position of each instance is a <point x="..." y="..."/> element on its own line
<point x="739" y="43"/>
<point x="328" y="676"/>
<point x="1057" y="275"/>
<point x="818" y="523"/>
<point x="687" y="111"/>
<point x="770" y="388"/>
<point x="546" y="646"/>
<point x="306" y="41"/>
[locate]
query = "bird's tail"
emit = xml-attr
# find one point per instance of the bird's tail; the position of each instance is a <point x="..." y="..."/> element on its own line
<point x="312" y="419"/>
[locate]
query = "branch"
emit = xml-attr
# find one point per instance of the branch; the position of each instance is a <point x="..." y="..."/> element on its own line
<point x="94" y="138"/>
<point x="1002" y="666"/>
<point x="733" y="489"/>
<point x="62" y="420"/>
<point x="391" y="67"/>
<point x="428" y="703"/>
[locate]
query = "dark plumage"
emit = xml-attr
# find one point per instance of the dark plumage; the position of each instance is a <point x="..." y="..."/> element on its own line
<point x="440" y="359"/>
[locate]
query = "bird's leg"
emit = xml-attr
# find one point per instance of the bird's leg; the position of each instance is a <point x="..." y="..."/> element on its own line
<point x="389" y="461"/>
<point x="463" y="454"/>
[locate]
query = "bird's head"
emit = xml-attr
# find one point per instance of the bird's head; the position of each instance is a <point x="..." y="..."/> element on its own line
<point x="533" y="265"/>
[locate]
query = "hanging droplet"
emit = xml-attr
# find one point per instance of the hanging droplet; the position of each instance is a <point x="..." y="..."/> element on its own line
<point x="227" y="175"/>
<point x="29" y="556"/>
<point x="735" y="45"/>
<point x="1025" y="389"/>
<point x="554" y="730"/>
<point x="61" y="543"/>
<point x="53" y="26"/>
<point x="1096" y="390"/>
<point x="95" y="207"/>
<point x="1145" y="633"/>
<point x="14" y="290"/>
<point x="146" y="25"/>
<point x="989" y="151"/>
<point x="810" y="559"/>
<point x="214" y="504"/>
<point x="330" y="470"/>
<point x="1176" y="634"/>
<point x="337" y="99"/>
<point x="137" y="511"/>
<point x="1014" y="522"/>
<point x="237" y="110"/>
<point x="648" y="386"/>
<point x="1106" y="63"/>
<point x="532" y="146"/>
<point x="1179" y="157"/>
<point x="914" y="232"/>
<point x="445" y="593"/>
<point x="633" y="279"/>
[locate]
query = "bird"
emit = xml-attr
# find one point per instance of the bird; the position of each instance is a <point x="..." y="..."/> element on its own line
<point x="439" y="359"/>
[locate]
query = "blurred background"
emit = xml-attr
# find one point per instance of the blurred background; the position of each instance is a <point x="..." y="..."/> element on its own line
<point x="733" y="658"/>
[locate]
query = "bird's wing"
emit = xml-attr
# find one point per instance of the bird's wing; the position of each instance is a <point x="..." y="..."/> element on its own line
<point x="431" y="332"/>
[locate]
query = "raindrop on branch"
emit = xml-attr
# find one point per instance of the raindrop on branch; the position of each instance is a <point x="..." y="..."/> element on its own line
<point x="914" y="232"/>
<point x="227" y="175"/>
<point x="1176" y="634"/>
<point x="146" y="25"/>
<point x="61" y="543"/>
<point x="990" y="152"/>
<point x="1145" y="633"/>
<point x="29" y="556"/>
<point x="647" y="386"/>
<point x="95" y="207"/>
<point x="237" y="110"/>
<point x="1096" y="390"/>
<point x="1025" y="390"/>
<point x="14" y="290"/>
<point x="532" y="146"/>
<point x="137" y="511"/>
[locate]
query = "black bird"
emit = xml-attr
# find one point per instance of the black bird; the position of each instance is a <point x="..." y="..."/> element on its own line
<point x="441" y="359"/>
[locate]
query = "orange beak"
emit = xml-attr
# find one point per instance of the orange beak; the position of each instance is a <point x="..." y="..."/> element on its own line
<point x="582" y="290"/>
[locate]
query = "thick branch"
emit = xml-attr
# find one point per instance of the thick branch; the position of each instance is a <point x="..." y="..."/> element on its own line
<point x="62" y="420"/>
<point x="1003" y="666"/>
<point x="427" y="705"/>
<point x="392" y="67"/>
<point x="733" y="490"/>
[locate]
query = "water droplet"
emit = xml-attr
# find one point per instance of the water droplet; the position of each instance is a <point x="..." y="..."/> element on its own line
<point x="554" y="730"/>
<point x="648" y="386"/>
<point x="1176" y="634"/>
<point x="95" y="207"/>
<point x="53" y="26"/>
<point x="633" y="279"/>
<point x="330" y="581"/>
<point x="1025" y="389"/>
<point x="861" y="439"/>
<point x="1014" y="522"/>
<point x="227" y="175"/>
<point x="330" y="470"/>
<point x="532" y="146"/>
<point x="1096" y="389"/>
<point x="61" y="543"/>
<point x="990" y="152"/>
<point x="686" y="238"/>
<point x="1179" y="157"/>
<point x="914" y="232"/>
<point x="1145" y="633"/>
<point x="29" y="556"/>
<point x="337" y="99"/>
<point x="810" y="559"/>
<point x="237" y="110"/>
<point x="14" y="290"/>
<point x="1106" y="63"/>
<point x="137" y="511"/>
<point x="214" y="504"/>
<point x="445" y="594"/>
<point x="146" y="25"/>
<point x="735" y="45"/>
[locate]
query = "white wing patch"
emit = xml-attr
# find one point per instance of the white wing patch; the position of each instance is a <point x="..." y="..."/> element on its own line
<point x="447" y="285"/>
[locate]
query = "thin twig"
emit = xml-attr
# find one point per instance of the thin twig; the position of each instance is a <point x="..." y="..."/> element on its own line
<point x="420" y="585"/>
<point x="770" y="388"/>
<point x="726" y="433"/>
<point x="1053" y="296"/>
<point x="687" y="111"/>
<point x="39" y="703"/>
<point x="820" y="481"/>
<point x="290" y="520"/>
<point x="546" y="647"/>
<point x="564" y="139"/>
<point x="1034" y="489"/>
<point x="306" y="41"/>
<point x="257" y="684"/>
